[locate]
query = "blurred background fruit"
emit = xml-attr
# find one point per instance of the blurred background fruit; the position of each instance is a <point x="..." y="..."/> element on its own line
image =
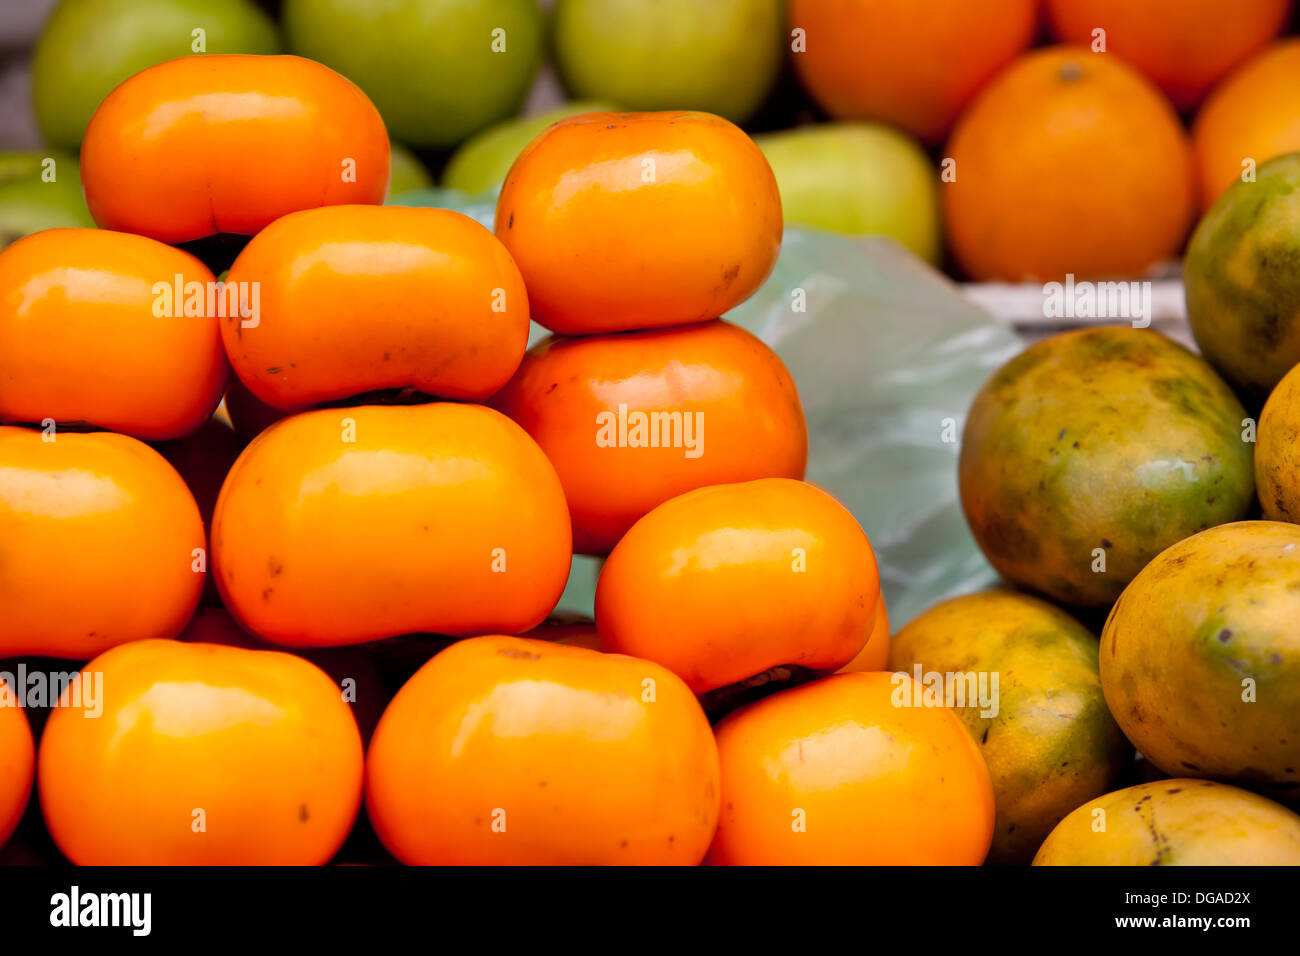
<point x="911" y="63"/>
<point x="483" y="160"/>
<point x="406" y="173"/>
<point x="859" y="179"/>
<point x="1068" y="162"/>
<point x="439" y="70"/>
<point x="1253" y="115"/>
<point x="1183" y="46"/>
<point x="31" y="201"/>
<point x="90" y="46"/>
<point x="720" y="57"/>
<point x="1241" y="281"/>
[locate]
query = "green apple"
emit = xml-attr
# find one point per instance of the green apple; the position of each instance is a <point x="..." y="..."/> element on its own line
<point x="859" y="179"/>
<point x="39" y="190"/>
<point x="406" y="172"/>
<point x="438" y="70"/>
<point x="720" y="56"/>
<point x="483" y="161"/>
<point x="90" y="46"/>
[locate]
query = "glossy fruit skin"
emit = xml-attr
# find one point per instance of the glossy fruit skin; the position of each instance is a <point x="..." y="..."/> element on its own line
<point x="1204" y="616"/>
<point x="436" y="69"/>
<point x="1277" y="452"/>
<point x="1243" y="297"/>
<point x="1052" y="744"/>
<point x="81" y="339"/>
<point x="604" y="250"/>
<point x="584" y="758"/>
<point x="884" y="60"/>
<point x="748" y="422"/>
<point x="1252" y="114"/>
<point x="109" y="535"/>
<point x="361" y="298"/>
<point x="874" y="655"/>
<point x="721" y="57"/>
<point x="723" y="583"/>
<point x="1050" y="471"/>
<point x="17" y="761"/>
<point x="341" y="526"/>
<point x="860" y="179"/>
<point x="1183" y="46"/>
<point x="227" y="144"/>
<point x="88" y="47"/>
<point x="872" y="783"/>
<point x="260" y="741"/>
<point x="1059" y="124"/>
<point x="1178" y="822"/>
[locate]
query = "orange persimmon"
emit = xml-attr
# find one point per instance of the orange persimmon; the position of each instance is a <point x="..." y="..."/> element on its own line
<point x="874" y="655"/>
<point x="347" y="525"/>
<point x="203" y="755"/>
<point x="848" y="770"/>
<point x="17" y="760"/>
<point x="228" y="143"/>
<point x="725" y="583"/>
<point x="634" y="419"/>
<point x="637" y="220"/>
<point x="94" y="328"/>
<point x="502" y="750"/>
<point x="105" y="543"/>
<point x="359" y="298"/>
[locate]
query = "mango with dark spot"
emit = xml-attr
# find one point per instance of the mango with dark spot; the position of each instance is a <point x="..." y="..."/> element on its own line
<point x="1091" y="452"/>
<point x="1050" y="743"/>
<point x="1242" y="278"/>
<point x="1176" y="822"/>
<point x="1200" y="657"/>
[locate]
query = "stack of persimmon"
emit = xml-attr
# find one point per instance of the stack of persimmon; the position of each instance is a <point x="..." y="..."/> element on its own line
<point x="415" y="472"/>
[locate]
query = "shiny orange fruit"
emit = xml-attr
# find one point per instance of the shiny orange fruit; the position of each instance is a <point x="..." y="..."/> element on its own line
<point x="727" y="582"/>
<point x="228" y="143"/>
<point x="1249" y="118"/>
<point x="340" y="526"/>
<point x="17" y="760"/>
<point x="910" y="64"/>
<point x="201" y="755"/>
<point x="634" y="419"/>
<point x="1053" y="167"/>
<point x="874" y="655"/>
<point x="848" y="770"/>
<point x="105" y="543"/>
<point x="638" y="220"/>
<point x="361" y="298"/>
<point x="502" y="750"/>
<point x="1183" y="46"/>
<point x="104" y="327"/>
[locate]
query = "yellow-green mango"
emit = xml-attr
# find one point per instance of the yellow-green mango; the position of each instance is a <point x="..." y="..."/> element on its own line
<point x="1052" y="743"/>
<point x="1177" y="822"/>
<point x="1200" y="657"/>
<point x="1092" y="451"/>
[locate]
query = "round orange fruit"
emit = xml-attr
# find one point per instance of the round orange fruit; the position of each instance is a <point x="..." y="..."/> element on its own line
<point x="201" y="755"/>
<point x="638" y="220"/>
<point x="228" y="143"/>
<point x="1069" y="162"/>
<point x="726" y="583"/>
<point x="633" y="419"/>
<point x="360" y="298"/>
<point x="347" y="525"/>
<point x="502" y="750"/>
<point x="106" y="543"/>
<point x="848" y="770"/>
<point x="17" y="760"/>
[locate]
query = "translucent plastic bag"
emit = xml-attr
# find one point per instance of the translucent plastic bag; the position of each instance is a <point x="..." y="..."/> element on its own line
<point x="887" y="354"/>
